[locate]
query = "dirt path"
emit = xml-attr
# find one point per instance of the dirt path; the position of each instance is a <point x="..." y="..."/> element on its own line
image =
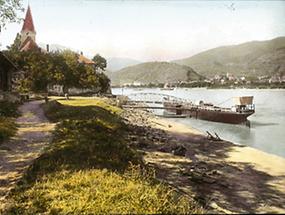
<point x="17" y="154"/>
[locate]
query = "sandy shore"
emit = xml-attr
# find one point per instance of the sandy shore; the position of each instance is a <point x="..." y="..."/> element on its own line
<point x="270" y="163"/>
<point x="225" y="177"/>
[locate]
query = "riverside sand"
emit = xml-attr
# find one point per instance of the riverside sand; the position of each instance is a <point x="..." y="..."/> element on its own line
<point x="231" y="178"/>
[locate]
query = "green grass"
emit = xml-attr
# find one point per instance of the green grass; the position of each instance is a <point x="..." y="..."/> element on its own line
<point x="89" y="168"/>
<point x="98" y="102"/>
<point x="97" y="191"/>
<point x="8" y="127"/>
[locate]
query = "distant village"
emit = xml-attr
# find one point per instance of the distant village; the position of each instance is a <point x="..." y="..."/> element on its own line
<point x="229" y="78"/>
<point x="221" y="81"/>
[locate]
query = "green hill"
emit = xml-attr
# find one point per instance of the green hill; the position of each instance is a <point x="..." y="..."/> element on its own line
<point x="255" y="58"/>
<point x="153" y="72"/>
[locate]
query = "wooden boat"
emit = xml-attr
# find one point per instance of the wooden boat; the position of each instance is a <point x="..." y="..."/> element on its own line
<point x="237" y="114"/>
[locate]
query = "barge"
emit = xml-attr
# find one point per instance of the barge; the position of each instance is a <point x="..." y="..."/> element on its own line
<point x="237" y="114"/>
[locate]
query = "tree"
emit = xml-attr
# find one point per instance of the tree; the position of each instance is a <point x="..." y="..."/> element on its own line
<point x="58" y="73"/>
<point x="104" y="83"/>
<point x="89" y="78"/>
<point x="8" y="11"/>
<point x="16" y="45"/>
<point x="36" y="66"/>
<point x="100" y="62"/>
<point x="60" y="68"/>
<point x="72" y="70"/>
<point x="100" y="78"/>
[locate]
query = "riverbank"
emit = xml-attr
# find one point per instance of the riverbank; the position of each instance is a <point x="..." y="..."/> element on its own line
<point x="87" y="165"/>
<point x="90" y="167"/>
<point x="221" y="175"/>
<point x="267" y="124"/>
<point x="263" y="161"/>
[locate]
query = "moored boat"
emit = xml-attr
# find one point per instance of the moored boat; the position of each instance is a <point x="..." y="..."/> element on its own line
<point x="237" y="114"/>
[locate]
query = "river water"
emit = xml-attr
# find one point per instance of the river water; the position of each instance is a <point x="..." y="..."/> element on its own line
<point x="267" y="125"/>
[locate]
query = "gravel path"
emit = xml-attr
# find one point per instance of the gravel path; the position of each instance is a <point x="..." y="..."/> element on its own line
<point x="33" y="135"/>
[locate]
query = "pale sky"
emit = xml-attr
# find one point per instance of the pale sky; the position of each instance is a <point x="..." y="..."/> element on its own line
<point x="150" y="30"/>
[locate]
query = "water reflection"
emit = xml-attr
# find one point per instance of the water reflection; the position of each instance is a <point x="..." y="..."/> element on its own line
<point x="226" y="131"/>
<point x="257" y="124"/>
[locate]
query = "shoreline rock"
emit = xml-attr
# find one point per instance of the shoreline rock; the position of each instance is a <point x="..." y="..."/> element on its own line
<point x="227" y="176"/>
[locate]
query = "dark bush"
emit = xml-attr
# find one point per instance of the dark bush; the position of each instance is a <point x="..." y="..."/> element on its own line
<point x="8" y="109"/>
<point x="8" y="128"/>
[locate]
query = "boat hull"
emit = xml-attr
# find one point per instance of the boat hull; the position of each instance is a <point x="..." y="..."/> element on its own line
<point x="215" y="115"/>
<point x="220" y="116"/>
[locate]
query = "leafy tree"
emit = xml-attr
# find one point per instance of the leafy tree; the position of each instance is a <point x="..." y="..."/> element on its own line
<point x="8" y="11"/>
<point x="104" y="83"/>
<point x="16" y="45"/>
<point x="72" y="70"/>
<point x="59" y="68"/>
<point x="57" y="75"/>
<point x="100" y="62"/>
<point x="101" y="78"/>
<point x="89" y="78"/>
<point x="36" y="66"/>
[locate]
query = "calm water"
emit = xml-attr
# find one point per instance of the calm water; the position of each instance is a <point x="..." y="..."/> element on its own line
<point x="267" y="131"/>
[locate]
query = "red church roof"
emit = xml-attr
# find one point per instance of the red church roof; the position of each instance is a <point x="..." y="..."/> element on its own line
<point x="28" y="45"/>
<point x="28" y="23"/>
<point x="85" y="60"/>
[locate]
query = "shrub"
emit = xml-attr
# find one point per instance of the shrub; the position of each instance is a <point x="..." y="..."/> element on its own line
<point x="8" y="128"/>
<point x="8" y="109"/>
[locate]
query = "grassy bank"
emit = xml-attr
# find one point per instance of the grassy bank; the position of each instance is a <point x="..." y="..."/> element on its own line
<point x="89" y="168"/>
<point x="8" y="113"/>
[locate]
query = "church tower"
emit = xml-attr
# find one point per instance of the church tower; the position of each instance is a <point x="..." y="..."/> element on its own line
<point x="28" y="33"/>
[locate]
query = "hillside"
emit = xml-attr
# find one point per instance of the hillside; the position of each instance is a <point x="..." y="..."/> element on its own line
<point x="115" y="64"/>
<point x="154" y="72"/>
<point x="255" y="58"/>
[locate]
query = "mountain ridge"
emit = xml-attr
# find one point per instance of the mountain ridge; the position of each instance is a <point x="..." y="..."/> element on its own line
<point x="241" y="59"/>
<point x="154" y="72"/>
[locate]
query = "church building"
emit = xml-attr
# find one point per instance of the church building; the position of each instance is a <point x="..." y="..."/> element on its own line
<point x="28" y="33"/>
<point x="28" y="43"/>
